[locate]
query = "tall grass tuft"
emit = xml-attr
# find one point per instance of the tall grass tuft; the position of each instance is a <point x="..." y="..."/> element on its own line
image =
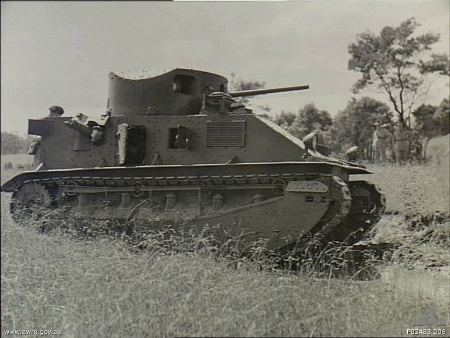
<point x="104" y="286"/>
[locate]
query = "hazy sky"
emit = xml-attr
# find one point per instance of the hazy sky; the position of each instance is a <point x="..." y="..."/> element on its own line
<point x="60" y="52"/>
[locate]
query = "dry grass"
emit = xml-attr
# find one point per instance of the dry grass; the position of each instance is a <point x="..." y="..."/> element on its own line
<point x="101" y="288"/>
<point x="418" y="215"/>
<point x="412" y="189"/>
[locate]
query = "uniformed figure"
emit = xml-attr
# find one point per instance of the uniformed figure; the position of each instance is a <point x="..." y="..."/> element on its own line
<point x="97" y="135"/>
<point x="401" y="143"/>
<point x="55" y="111"/>
<point x="415" y="147"/>
<point x="381" y="138"/>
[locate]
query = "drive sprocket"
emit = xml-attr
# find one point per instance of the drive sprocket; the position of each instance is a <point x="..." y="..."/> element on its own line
<point x="30" y="201"/>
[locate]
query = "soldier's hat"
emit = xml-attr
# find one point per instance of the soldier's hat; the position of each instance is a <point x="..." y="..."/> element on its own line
<point x="56" y="110"/>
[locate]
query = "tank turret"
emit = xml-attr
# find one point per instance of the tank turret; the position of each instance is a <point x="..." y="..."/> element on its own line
<point x="179" y="145"/>
<point x="179" y="91"/>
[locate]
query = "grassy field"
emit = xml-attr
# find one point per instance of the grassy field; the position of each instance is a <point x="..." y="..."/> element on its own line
<point x="17" y="161"/>
<point x="101" y="288"/>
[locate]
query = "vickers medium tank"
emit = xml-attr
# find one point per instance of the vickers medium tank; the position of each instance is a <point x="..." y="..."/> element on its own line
<point x="179" y="149"/>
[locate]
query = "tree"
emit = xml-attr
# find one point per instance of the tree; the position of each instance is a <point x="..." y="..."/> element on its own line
<point x="13" y="143"/>
<point x="439" y="63"/>
<point x="310" y="119"/>
<point x="239" y="84"/>
<point x="353" y="126"/>
<point x="285" y="119"/>
<point x="432" y="121"/>
<point x="390" y="62"/>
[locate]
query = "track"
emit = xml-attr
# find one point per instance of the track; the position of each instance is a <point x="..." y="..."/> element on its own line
<point x="278" y="207"/>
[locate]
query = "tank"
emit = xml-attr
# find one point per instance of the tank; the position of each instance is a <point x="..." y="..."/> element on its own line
<point x="178" y="149"/>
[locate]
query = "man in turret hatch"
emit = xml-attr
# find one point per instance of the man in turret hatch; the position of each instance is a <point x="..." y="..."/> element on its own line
<point x="55" y="111"/>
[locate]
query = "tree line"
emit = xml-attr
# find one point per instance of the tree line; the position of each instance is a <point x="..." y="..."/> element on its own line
<point x="395" y="62"/>
<point x="353" y="126"/>
<point x="14" y="144"/>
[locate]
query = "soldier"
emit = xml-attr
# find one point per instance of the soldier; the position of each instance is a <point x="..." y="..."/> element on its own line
<point x="401" y="143"/>
<point x="415" y="148"/>
<point x="381" y="136"/>
<point x="55" y="111"/>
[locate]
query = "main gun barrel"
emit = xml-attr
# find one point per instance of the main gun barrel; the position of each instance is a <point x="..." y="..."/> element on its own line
<point x="253" y="92"/>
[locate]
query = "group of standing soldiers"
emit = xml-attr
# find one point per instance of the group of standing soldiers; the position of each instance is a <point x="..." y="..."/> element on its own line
<point x="400" y="139"/>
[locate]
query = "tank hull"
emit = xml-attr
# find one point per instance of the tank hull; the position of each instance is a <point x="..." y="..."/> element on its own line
<point x="277" y="203"/>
